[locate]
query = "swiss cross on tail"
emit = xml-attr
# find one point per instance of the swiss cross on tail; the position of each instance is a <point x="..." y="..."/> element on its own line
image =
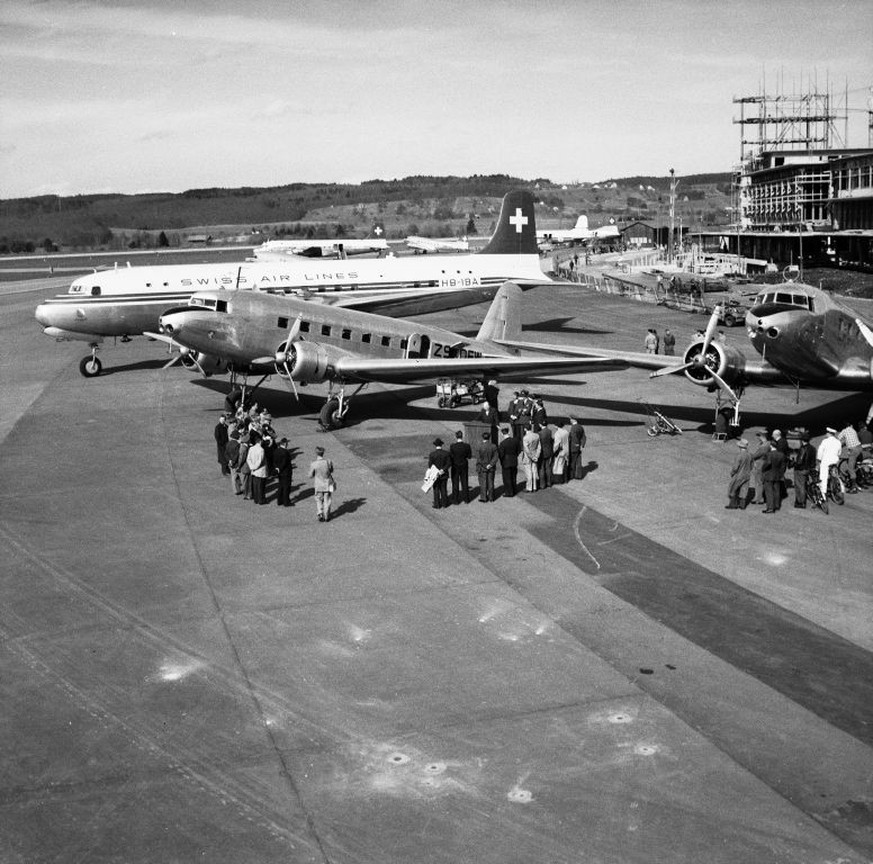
<point x="515" y="233"/>
<point x="519" y="220"/>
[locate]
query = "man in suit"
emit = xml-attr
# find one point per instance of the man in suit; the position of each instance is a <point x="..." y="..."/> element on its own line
<point x="508" y="451"/>
<point x="578" y="439"/>
<point x="538" y="412"/>
<point x="231" y="454"/>
<point x="443" y="463"/>
<point x="547" y="450"/>
<point x="486" y="467"/>
<point x="284" y="468"/>
<point x="804" y="465"/>
<point x="514" y="412"/>
<point x="321" y="472"/>
<point x="257" y="463"/>
<point x="772" y="472"/>
<point x="489" y="417"/>
<point x="460" y="452"/>
<point x="221" y="436"/>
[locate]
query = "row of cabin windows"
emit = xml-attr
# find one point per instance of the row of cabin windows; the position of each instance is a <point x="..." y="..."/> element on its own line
<point x="346" y="333"/>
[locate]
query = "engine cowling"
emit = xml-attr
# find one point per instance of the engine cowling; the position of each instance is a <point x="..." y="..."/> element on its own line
<point x="308" y="362"/>
<point x="727" y="362"/>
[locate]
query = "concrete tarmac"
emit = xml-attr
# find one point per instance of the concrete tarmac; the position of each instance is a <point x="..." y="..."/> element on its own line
<point x="616" y="670"/>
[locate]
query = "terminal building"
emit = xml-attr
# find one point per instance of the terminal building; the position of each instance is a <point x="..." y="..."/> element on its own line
<point x="800" y="195"/>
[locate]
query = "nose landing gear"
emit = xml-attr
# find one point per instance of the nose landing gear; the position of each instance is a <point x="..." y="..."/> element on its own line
<point x="91" y="367"/>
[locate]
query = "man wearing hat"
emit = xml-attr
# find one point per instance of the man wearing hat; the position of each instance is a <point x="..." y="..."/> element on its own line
<point x="441" y="460"/>
<point x="773" y="472"/>
<point x="284" y="468"/>
<point x="460" y="453"/>
<point x="486" y="467"/>
<point x="321" y="470"/>
<point x="740" y="474"/>
<point x="758" y="450"/>
<point x="804" y="464"/>
<point x="828" y="454"/>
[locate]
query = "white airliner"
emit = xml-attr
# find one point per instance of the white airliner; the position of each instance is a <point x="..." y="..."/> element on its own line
<point x="577" y="234"/>
<point x="128" y="301"/>
<point x="279" y="250"/>
<point x="437" y="244"/>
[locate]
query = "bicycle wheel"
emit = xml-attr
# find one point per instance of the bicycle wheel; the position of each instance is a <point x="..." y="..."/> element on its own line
<point x="835" y="491"/>
<point x="813" y="491"/>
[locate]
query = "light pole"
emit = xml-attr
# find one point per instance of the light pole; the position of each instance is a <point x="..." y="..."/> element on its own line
<point x="673" y="184"/>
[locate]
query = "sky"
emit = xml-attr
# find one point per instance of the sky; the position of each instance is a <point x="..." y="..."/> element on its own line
<point x="163" y="96"/>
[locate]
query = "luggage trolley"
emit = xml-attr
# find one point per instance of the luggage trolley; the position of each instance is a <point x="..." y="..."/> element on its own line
<point x="451" y="392"/>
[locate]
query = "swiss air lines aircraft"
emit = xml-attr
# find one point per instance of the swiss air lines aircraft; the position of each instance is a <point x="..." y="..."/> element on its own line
<point x="128" y="301"/>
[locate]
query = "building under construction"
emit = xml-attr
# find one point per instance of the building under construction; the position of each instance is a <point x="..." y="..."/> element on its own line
<point x="798" y="176"/>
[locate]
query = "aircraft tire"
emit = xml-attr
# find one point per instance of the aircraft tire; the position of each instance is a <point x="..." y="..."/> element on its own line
<point x="90" y="367"/>
<point x="329" y="415"/>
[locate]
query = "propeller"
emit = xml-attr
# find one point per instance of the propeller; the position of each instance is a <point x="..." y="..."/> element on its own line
<point x="282" y="354"/>
<point x="700" y="358"/>
<point x="184" y="352"/>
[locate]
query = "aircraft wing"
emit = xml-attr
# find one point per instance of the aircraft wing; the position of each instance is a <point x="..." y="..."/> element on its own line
<point x="420" y="371"/>
<point x="754" y="370"/>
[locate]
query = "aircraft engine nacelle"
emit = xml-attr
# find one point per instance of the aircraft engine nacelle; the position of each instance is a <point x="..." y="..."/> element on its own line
<point x="728" y="363"/>
<point x="209" y="364"/>
<point x="310" y="362"/>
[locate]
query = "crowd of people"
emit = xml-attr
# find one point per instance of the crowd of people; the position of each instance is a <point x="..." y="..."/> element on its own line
<point x="758" y="474"/>
<point x="251" y="454"/>
<point x="547" y="453"/>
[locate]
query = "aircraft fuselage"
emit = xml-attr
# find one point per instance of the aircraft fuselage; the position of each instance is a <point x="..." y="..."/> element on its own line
<point x="810" y="337"/>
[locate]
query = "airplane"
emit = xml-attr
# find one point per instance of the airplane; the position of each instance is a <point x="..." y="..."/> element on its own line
<point x="437" y="244"/>
<point x="279" y="250"/>
<point x="803" y="336"/>
<point x="577" y="234"/>
<point x="126" y="302"/>
<point x="305" y="342"/>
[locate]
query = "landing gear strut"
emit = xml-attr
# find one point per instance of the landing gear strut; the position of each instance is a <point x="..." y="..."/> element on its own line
<point x="337" y="406"/>
<point x="90" y="367"/>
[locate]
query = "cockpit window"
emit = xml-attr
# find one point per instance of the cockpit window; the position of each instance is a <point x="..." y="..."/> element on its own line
<point x="801" y="300"/>
<point x="95" y="291"/>
<point x="783" y="298"/>
<point x="195" y="301"/>
<point x="221" y="306"/>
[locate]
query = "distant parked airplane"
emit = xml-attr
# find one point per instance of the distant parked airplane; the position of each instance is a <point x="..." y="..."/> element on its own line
<point x="580" y="233"/>
<point x="128" y="301"/>
<point x="437" y="244"/>
<point x="279" y="250"/>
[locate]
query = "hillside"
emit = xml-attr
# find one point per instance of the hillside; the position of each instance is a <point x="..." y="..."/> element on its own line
<point x="413" y="205"/>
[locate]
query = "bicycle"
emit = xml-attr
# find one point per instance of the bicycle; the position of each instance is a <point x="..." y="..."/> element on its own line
<point x="835" y="489"/>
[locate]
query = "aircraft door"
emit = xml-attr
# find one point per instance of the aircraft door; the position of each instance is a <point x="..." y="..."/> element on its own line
<point x="417" y="346"/>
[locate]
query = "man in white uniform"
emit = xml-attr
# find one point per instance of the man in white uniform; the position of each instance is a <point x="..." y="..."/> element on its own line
<point x="828" y="454"/>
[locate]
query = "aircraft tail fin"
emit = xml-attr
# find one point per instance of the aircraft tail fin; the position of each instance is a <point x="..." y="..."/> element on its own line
<point x="516" y="232"/>
<point x="503" y="320"/>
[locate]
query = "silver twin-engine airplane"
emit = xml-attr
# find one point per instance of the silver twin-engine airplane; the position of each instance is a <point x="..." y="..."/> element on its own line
<point x="128" y="301"/>
<point x="802" y="336"/>
<point x="304" y="342"/>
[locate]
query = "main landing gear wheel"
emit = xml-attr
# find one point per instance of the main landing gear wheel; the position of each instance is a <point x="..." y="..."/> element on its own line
<point x="90" y="367"/>
<point x="329" y="416"/>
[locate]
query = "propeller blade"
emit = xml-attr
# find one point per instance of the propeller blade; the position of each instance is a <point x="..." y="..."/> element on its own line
<point x="670" y="370"/>
<point x="262" y="361"/>
<point x="725" y="388"/>
<point x="710" y="329"/>
<point x="172" y="362"/>
<point x="287" y="377"/>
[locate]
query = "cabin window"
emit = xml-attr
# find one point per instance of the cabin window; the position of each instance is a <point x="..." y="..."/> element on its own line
<point x="403" y="344"/>
<point x="95" y="291"/>
<point x="365" y="337"/>
<point x="282" y="323"/>
<point x="148" y="284"/>
<point x="346" y="334"/>
<point x="221" y="306"/>
<point x="304" y="326"/>
<point x="325" y="329"/>
<point x="386" y="341"/>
